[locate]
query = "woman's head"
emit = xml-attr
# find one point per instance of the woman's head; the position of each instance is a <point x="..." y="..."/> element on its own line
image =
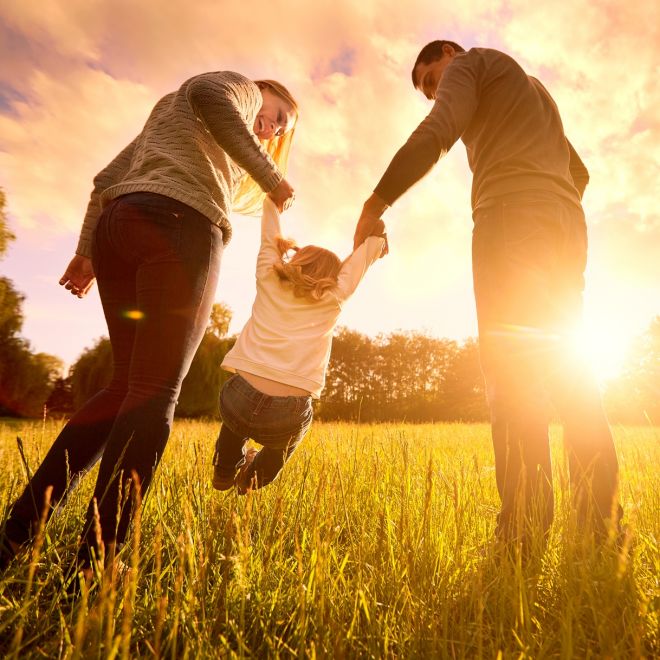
<point x="312" y="270"/>
<point x="274" y="126"/>
<point x="278" y="113"/>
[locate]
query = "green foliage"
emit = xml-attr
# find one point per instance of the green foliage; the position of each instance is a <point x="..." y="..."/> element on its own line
<point x="374" y="542"/>
<point x="202" y="385"/>
<point x="5" y="234"/>
<point x="91" y="372"/>
<point x="402" y="376"/>
<point x="26" y="378"/>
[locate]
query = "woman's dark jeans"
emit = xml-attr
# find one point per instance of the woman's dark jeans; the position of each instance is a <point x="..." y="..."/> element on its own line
<point x="529" y="255"/>
<point x="157" y="263"/>
<point x="278" y="423"/>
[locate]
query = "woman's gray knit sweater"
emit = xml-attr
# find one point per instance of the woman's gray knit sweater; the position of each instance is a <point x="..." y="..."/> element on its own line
<point x="195" y="147"/>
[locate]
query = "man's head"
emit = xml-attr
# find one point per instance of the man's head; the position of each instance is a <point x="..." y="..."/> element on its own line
<point x="431" y="64"/>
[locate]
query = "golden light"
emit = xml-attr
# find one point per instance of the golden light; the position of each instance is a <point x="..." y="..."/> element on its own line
<point x="604" y="345"/>
<point x="133" y="314"/>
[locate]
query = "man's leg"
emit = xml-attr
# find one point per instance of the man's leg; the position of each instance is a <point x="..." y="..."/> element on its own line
<point x="592" y="457"/>
<point x="515" y="249"/>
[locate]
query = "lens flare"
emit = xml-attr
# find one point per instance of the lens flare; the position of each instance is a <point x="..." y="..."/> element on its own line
<point x="133" y="314"/>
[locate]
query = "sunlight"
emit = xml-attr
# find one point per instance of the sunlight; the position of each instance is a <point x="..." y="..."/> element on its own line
<point x="605" y="346"/>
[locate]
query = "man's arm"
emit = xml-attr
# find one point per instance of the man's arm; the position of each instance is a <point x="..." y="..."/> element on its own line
<point x="579" y="172"/>
<point x="455" y="103"/>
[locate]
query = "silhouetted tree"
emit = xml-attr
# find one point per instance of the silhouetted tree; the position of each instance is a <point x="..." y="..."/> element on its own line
<point x="60" y="400"/>
<point x="202" y="385"/>
<point x="26" y="378"/>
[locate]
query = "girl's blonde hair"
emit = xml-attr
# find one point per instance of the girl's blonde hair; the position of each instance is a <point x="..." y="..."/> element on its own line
<point x="311" y="271"/>
<point x="249" y="197"/>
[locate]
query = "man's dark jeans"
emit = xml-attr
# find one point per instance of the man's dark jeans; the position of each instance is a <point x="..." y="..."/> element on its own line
<point x="157" y="263"/>
<point x="529" y="254"/>
<point x="278" y="423"/>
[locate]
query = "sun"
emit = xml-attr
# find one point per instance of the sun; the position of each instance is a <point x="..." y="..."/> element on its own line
<point x="605" y="346"/>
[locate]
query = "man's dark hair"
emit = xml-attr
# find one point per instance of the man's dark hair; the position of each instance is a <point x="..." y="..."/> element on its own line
<point x="431" y="52"/>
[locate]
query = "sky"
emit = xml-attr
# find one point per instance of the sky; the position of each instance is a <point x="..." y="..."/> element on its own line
<point x="79" y="77"/>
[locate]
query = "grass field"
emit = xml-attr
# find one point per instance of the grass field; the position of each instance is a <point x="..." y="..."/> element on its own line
<point x="374" y="542"/>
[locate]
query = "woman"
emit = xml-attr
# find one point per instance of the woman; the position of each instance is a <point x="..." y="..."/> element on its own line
<point x="153" y="235"/>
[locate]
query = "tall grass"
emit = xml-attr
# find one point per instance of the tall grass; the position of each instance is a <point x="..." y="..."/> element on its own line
<point x="374" y="542"/>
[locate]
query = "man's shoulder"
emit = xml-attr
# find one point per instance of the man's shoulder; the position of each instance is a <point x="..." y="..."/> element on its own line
<point x="488" y="54"/>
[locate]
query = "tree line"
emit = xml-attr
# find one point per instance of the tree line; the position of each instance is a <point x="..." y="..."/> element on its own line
<point x="399" y="376"/>
<point x="26" y="378"/>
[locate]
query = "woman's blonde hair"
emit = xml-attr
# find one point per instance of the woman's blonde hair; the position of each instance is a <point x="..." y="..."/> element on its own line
<point x="249" y="197"/>
<point x="311" y="271"/>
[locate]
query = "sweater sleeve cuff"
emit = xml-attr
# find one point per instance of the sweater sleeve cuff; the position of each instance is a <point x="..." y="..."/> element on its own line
<point x="84" y="248"/>
<point x="269" y="181"/>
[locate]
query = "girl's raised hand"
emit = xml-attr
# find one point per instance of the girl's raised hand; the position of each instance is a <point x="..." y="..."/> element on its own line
<point x="283" y="195"/>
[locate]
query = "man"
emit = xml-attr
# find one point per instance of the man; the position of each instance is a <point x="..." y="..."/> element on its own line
<point x="529" y="252"/>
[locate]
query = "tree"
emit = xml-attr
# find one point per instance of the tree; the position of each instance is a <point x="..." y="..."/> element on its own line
<point x="91" y="372"/>
<point x="60" y="400"/>
<point x="25" y="378"/>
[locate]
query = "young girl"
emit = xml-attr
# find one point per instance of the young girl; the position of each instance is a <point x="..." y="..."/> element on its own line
<point x="281" y="355"/>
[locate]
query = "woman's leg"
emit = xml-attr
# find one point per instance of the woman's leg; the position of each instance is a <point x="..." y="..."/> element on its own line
<point x="177" y="252"/>
<point x="81" y="441"/>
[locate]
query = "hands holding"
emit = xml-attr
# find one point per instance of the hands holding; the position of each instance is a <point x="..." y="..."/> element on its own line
<point x="78" y="277"/>
<point x="370" y="222"/>
<point x="283" y="195"/>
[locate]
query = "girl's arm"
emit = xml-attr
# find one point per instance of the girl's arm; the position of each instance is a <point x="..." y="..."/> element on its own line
<point x="108" y="176"/>
<point x="357" y="264"/>
<point x="227" y="103"/>
<point x="270" y="230"/>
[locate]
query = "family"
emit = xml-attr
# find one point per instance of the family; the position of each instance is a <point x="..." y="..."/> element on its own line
<point x="153" y="237"/>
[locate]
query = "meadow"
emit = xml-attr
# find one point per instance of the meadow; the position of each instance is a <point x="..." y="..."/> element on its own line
<point x="375" y="542"/>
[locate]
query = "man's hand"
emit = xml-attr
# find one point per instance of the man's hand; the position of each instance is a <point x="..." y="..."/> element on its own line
<point x="78" y="276"/>
<point x="283" y="195"/>
<point x="370" y="223"/>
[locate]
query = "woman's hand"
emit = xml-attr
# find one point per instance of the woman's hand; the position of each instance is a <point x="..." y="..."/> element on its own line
<point x="282" y="195"/>
<point x="78" y="276"/>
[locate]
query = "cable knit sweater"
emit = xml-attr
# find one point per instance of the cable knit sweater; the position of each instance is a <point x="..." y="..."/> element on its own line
<point x="195" y="146"/>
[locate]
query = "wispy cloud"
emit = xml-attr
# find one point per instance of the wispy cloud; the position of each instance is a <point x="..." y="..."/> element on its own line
<point x="78" y="79"/>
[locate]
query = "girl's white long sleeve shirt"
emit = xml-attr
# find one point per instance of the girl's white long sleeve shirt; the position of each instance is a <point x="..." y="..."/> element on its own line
<point x="287" y="338"/>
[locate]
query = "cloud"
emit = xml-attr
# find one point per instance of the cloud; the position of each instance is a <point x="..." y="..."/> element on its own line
<point x="79" y="78"/>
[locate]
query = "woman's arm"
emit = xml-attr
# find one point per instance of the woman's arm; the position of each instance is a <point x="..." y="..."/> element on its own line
<point x="110" y="175"/>
<point x="227" y="103"/>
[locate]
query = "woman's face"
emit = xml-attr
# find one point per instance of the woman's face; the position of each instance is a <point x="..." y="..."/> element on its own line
<point x="275" y="118"/>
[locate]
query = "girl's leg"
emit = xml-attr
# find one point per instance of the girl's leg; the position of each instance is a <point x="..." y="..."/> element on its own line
<point x="229" y="452"/>
<point x="269" y="461"/>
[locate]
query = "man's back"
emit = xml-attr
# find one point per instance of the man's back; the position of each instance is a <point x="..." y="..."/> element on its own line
<point x="510" y="126"/>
